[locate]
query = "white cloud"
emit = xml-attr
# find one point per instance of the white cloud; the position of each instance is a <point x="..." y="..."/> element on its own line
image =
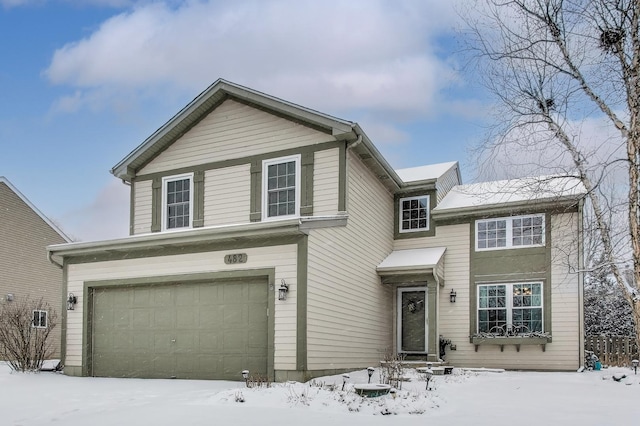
<point x="334" y="56"/>
<point x="106" y="217"/>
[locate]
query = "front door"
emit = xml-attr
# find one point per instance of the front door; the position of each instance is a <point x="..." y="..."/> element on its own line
<point x="412" y="320"/>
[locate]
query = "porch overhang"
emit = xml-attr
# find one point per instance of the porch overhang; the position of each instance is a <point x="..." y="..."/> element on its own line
<point x="405" y="264"/>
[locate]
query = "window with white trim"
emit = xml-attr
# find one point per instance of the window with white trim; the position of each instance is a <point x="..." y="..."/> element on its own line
<point x="510" y="232"/>
<point x="515" y="307"/>
<point x="39" y="319"/>
<point x="281" y="187"/>
<point x="414" y="214"/>
<point x="177" y="201"/>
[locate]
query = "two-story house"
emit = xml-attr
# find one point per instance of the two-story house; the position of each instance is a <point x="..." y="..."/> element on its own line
<point x="270" y="237"/>
<point x="25" y="274"/>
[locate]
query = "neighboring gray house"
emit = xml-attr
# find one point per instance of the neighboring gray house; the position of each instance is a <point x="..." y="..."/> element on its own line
<point x="25" y="271"/>
<point x="270" y="237"/>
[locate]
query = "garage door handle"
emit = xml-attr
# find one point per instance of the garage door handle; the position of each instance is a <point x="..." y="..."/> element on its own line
<point x="173" y="340"/>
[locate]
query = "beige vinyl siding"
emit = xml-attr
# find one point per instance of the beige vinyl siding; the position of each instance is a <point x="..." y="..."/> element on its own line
<point x="25" y="271"/>
<point x="453" y="318"/>
<point x="446" y="182"/>
<point x="142" y="207"/>
<point x="326" y="173"/>
<point x="227" y="195"/>
<point x="283" y="258"/>
<point x="349" y="320"/>
<point x="234" y="130"/>
<point x="564" y="351"/>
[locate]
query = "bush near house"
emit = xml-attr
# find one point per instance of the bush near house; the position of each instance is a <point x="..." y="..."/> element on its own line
<point x="25" y="329"/>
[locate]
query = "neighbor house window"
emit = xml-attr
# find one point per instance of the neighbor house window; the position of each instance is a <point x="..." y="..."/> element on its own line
<point x="177" y="195"/>
<point x="510" y="232"/>
<point x="281" y="187"/>
<point x="512" y="308"/>
<point x="39" y="319"/>
<point x="414" y="214"/>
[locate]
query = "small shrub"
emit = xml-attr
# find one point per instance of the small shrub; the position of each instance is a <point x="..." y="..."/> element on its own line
<point x="24" y="344"/>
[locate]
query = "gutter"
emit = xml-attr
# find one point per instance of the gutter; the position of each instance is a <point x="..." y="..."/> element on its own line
<point x="454" y="212"/>
<point x="293" y="226"/>
<point x="50" y="258"/>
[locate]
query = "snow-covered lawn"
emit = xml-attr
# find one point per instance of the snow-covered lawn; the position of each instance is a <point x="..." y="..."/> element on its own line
<point x="464" y="398"/>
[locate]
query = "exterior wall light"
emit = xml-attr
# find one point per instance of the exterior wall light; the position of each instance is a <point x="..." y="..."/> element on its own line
<point x="283" y="290"/>
<point x="10" y="297"/>
<point x="345" y="377"/>
<point x="370" y="371"/>
<point x="71" y="302"/>
<point x="452" y="296"/>
<point x="428" y="374"/>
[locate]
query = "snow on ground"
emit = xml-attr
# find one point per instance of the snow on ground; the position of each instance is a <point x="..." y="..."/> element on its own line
<point x="478" y="397"/>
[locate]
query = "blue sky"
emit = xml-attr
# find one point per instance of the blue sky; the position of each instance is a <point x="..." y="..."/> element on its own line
<point x="83" y="83"/>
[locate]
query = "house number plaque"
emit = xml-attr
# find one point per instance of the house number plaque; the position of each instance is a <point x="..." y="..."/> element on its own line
<point x="232" y="259"/>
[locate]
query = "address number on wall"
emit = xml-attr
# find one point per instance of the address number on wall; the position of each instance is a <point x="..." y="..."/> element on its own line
<point x="232" y="259"/>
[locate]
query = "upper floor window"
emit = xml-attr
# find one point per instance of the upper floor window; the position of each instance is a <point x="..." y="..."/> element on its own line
<point x="510" y="308"/>
<point x="510" y="232"/>
<point x="281" y="187"/>
<point x="39" y="319"/>
<point x="177" y="195"/>
<point x="414" y="214"/>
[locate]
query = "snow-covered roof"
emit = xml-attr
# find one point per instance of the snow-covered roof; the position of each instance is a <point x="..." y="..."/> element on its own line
<point x="412" y="259"/>
<point x="510" y="192"/>
<point x="429" y="172"/>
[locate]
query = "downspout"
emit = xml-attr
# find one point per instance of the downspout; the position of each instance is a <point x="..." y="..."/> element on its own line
<point x="356" y="143"/>
<point x="50" y="258"/>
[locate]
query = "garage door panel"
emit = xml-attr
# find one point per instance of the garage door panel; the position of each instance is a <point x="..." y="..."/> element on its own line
<point x="142" y="297"/>
<point x="205" y="330"/>
<point x="164" y="318"/>
<point x="186" y="318"/>
<point x="208" y="342"/>
<point x="142" y="318"/>
<point x="187" y="295"/>
<point x="141" y="341"/>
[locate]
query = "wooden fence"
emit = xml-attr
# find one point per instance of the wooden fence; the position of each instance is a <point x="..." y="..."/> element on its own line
<point x="613" y="350"/>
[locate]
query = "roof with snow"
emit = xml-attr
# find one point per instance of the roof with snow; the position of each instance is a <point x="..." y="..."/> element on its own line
<point x="429" y="172"/>
<point x="510" y="193"/>
<point x="411" y="260"/>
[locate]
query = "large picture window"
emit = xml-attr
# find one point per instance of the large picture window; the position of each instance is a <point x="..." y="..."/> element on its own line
<point x="510" y="232"/>
<point x="177" y="195"/>
<point x="510" y="308"/>
<point x="414" y="214"/>
<point x="281" y="187"/>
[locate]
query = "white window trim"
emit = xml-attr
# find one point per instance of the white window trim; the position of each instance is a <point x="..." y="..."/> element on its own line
<point x="46" y="318"/>
<point x="509" y="301"/>
<point x="266" y="163"/>
<point x="402" y="231"/>
<point x="166" y="180"/>
<point x="509" y="229"/>
<point x="399" y="319"/>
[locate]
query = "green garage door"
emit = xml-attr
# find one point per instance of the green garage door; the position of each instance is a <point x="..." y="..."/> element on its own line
<point x="208" y="330"/>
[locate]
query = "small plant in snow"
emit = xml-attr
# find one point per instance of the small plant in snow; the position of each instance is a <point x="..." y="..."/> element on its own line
<point x="25" y="333"/>
<point x="239" y="397"/>
<point x="299" y="398"/>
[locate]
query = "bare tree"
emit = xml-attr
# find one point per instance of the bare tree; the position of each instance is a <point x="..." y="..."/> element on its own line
<point x="25" y="327"/>
<point x="567" y="77"/>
